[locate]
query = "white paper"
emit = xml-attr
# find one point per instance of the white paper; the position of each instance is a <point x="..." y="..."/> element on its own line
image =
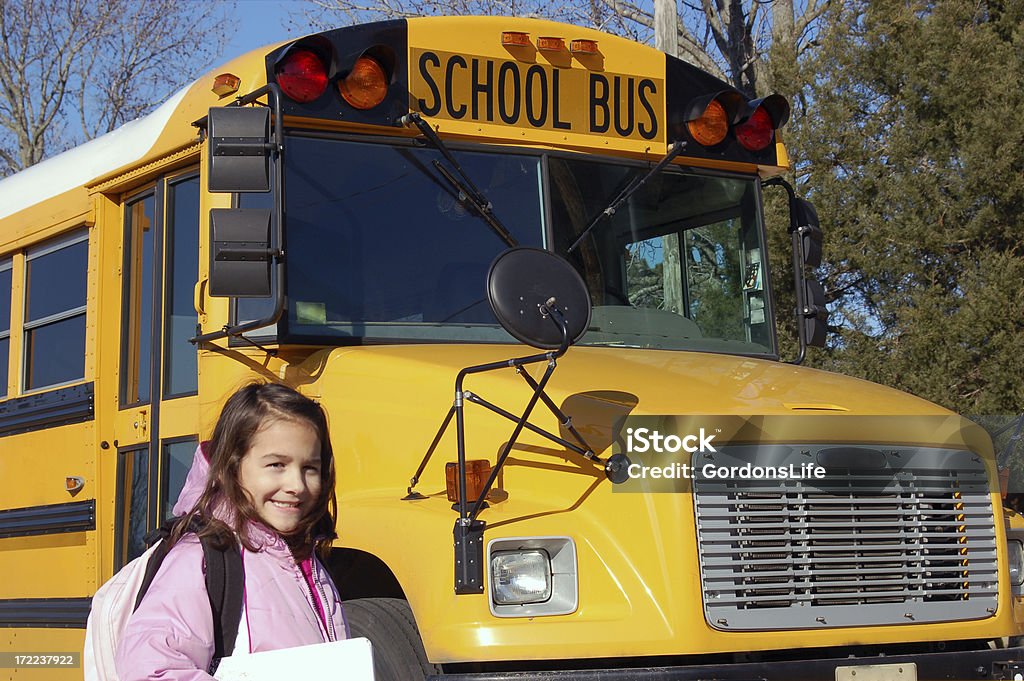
<point x="351" y="660"/>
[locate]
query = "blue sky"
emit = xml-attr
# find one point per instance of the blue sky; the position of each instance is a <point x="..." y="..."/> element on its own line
<point x="259" y="22"/>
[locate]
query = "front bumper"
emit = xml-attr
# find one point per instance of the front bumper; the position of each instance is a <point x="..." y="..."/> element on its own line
<point x="1005" y="663"/>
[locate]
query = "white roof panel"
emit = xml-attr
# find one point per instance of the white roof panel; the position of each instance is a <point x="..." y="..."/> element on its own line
<point x="85" y="162"/>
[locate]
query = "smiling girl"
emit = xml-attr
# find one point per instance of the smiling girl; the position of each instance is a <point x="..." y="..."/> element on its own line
<point x="264" y="483"/>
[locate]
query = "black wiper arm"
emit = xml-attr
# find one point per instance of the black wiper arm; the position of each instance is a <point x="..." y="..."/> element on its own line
<point x="464" y="186"/>
<point x="482" y="209"/>
<point x="630" y="189"/>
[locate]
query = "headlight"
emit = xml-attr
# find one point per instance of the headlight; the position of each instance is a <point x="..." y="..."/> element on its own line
<point x="521" y="577"/>
<point x="532" y="576"/>
<point x="1015" y="553"/>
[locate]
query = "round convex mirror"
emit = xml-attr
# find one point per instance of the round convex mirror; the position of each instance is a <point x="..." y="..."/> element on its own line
<point x="521" y="280"/>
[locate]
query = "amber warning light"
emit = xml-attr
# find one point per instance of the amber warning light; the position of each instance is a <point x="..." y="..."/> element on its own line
<point x="582" y="46"/>
<point x="548" y="44"/>
<point x="477" y="472"/>
<point x="515" y="39"/>
<point x="226" y="84"/>
<point x="366" y="85"/>
<point x="711" y="124"/>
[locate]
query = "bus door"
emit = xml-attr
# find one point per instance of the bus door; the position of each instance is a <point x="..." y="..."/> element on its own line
<point x="158" y="408"/>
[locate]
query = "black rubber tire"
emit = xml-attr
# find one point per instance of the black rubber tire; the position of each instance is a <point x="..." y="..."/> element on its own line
<point x="398" y="653"/>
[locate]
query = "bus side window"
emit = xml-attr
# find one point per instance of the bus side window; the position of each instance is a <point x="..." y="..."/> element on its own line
<point x="181" y="272"/>
<point x="132" y="505"/>
<point x="5" y="321"/>
<point x="136" y="353"/>
<point x="55" y="294"/>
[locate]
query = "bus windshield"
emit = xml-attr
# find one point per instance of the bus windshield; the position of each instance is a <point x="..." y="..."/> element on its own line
<point x="380" y="247"/>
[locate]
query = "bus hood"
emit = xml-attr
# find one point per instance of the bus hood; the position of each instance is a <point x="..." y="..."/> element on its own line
<point x="659" y="382"/>
<point x="640" y="583"/>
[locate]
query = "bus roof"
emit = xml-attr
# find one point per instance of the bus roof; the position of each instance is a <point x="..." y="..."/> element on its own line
<point x="86" y="162"/>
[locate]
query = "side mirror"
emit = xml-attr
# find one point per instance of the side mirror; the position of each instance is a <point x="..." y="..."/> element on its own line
<point x="245" y="258"/>
<point x="805" y="221"/>
<point x="239" y="149"/>
<point x="240" y="252"/>
<point x="806" y="236"/>
<point x="814" y="314"/>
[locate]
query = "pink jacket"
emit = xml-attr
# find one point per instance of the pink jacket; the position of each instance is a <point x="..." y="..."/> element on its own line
<point x="170" y="636"/>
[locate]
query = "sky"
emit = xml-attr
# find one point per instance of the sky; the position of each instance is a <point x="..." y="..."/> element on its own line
<point x="261" y="22"/>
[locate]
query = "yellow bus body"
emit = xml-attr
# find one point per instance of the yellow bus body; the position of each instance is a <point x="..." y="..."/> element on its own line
<point x="639" y="580"/>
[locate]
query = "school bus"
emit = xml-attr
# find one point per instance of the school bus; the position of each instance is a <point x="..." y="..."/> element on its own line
<point x="331" y="213"/>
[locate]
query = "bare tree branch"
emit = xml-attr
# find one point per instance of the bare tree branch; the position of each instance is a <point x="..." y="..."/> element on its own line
<point x="100" y="64"/>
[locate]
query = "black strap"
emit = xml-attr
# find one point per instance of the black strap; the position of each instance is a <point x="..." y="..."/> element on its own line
<point x="156" y="559"/>
<point x="225" y="585"/>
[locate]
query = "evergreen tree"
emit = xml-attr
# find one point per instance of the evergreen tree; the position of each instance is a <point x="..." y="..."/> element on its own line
<point x="908" y="138"/>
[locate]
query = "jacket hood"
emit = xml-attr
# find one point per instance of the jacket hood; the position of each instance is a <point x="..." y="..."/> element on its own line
<point x="195" y="482"/>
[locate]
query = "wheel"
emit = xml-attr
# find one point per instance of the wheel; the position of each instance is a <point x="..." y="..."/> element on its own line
<point x="398" y="653"/>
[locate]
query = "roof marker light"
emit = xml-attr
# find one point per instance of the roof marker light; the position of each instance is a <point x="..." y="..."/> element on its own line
<point x="226" y="84"/>
<point x="582" y="46"/>
<point x="550" y="44"/>
<point x="515" y="39"/>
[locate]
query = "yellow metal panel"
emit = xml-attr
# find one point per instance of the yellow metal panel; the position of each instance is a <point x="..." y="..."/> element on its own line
<point x="131" y="179"/>
<point x="38" y="641"/>
<point x="33" y="467"/>
<point x="108" y="322"/>
<point x="48" y="566"/>
<point x="45" y="219"/>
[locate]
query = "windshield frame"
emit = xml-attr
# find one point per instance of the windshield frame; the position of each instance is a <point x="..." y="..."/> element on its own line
<point x="284" y="335"/>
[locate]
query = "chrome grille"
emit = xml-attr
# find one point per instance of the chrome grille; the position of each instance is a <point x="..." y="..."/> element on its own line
<point x="909" y="540"/>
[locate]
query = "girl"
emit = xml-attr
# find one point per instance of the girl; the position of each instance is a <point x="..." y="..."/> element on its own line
<point x="266" y="478"/>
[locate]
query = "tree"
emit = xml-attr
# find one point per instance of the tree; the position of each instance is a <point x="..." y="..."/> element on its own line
<point x="74" y="69"/>
<point x="913" y="159"/>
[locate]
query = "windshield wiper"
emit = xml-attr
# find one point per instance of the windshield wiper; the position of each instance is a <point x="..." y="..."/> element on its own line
<point x="630" y="189"/>
<point x="467" y="191"/>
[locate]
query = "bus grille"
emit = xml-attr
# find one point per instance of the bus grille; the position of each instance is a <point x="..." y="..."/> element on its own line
<point x="908" y="540"/>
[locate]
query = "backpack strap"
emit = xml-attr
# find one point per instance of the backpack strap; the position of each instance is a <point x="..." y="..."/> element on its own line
<point x="225" y="585"/>
<point x="156" y="559"/>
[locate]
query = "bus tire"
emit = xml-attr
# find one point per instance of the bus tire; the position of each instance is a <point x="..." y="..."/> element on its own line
<point x="398" y="653"/>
